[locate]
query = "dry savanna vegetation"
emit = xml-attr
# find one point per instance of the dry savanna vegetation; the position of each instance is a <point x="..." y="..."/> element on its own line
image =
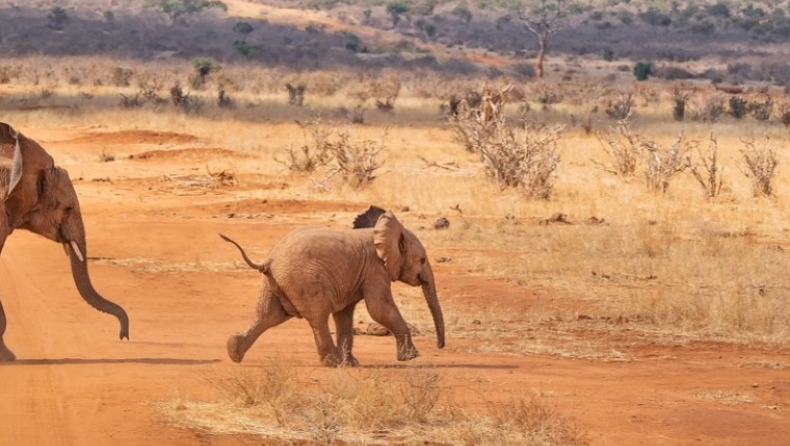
<point x="622" y="209"/>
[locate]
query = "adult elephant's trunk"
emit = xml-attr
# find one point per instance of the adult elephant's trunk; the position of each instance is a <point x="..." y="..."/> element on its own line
<point x="79" y="270"/>
<point x="429" y="291"/>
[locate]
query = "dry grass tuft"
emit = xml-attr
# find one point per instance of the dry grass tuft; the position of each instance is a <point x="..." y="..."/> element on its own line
<point x="377" y="406"/>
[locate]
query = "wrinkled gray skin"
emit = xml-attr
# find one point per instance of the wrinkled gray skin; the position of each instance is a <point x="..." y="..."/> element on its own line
<point x="313" y="273"/>
<point x="38" y="196"/>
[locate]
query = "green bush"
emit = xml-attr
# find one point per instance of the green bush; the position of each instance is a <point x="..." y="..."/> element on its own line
<point x="608" y="54"/>
<point x="57" y="18"/>
<point x="352" y="42"/>
<point x="203" y="67"/>
<point x="463" y="13"/>
<point x="243" y="28"/>
<point x="643" y="70"/>
<point x="176" y="8"/>
<point x="720" y="9"/>
<point x="653" y="16"/>
<point x="396" y="8"/>
<point x="738" y="107"/>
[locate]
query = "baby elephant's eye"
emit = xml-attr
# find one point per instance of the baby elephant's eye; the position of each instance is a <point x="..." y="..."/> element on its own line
<point x="68" y="211"/>
<point x="422" y="260"/>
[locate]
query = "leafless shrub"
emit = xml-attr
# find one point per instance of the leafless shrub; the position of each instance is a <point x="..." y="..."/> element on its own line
<point x="296" y="93"/>
<point x="313" y="153"/>
<point x="679" y="99"/>
<point x="760" y="165"/>
<point x="121" y="77"/>
<point x="585" y="123"/>
<point x="131" y="101"/>
<point x="469" y="129"/>
<point x="620" y="107"/>
<point x="623" y="149"/>
<point x="708" y="109"/>
<point x="356" y="162"/>
<point x="662" y="163"/>
<point x="140" y="98"/>
<point x="650" y="96"/>
<point x="522" y="158"/>
<point x="784" y="113"/>
<point x="223" y="100"/>
<point x="385" y="91"/>
<point x="355" y="116"/>
<point x="386" y="105"/>
<point x="186" y="103"/>
<point x="762" y="110"/>
<point x="545" y="94"/>
<point x="712" y="181"/>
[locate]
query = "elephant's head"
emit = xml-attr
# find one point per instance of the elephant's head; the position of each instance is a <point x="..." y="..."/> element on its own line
<point x="40" y="198"/>
<point x="404" y="258"/>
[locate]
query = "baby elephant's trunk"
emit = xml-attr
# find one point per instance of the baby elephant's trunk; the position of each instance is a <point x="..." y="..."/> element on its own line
<point x="263" y="267"/>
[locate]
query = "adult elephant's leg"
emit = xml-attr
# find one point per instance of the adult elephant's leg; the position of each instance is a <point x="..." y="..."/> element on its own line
<point x="270" y="313"/>
<point x="344" y="324"/>
<point x="5" y="353"/>
<point x="383" y="310"/>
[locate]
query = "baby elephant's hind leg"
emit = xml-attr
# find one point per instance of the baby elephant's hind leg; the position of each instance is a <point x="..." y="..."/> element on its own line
<point x="269" y="313"/>
<point x="344" y="324"/>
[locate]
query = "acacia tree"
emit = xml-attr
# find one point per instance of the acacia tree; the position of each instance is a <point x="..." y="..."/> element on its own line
<point x="544" y="18"/>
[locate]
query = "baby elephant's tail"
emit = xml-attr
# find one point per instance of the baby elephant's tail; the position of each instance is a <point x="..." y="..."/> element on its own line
<point x="263" y="267"/>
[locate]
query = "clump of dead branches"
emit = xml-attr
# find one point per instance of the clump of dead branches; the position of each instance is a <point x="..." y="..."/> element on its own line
<point x="525" y="158"/>
<point x="663" y="162"/>
<point x="620" y="107"/>
<point x="468" y="128"/>
<point x="623" y="148"/>
<point x="357" y="162"/>
<point x="760" y="165"/>
<point x="711" y="179"/>
<point x="314" y="152"/>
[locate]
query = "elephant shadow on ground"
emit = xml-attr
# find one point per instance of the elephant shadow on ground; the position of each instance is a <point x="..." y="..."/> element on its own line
<point x="441" y="366"/>
<point x="89" y="361"/>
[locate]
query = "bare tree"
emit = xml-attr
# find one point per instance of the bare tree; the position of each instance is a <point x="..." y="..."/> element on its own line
<point x="544" y="19"/>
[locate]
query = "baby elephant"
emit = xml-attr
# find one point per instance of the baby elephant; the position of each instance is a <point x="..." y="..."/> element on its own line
<point x="314" y="272"/>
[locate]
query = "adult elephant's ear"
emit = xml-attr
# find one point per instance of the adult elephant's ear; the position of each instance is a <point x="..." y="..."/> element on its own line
<point x="368" y="218"/>
<point x="10" y="156"/>
<point x="29" y="162"/>
<point x="388" y="237"/>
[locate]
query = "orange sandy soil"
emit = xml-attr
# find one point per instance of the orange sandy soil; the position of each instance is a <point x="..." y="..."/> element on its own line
<point x="75" y="383"/>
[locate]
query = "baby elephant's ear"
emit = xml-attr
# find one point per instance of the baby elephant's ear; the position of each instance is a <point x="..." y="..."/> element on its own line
<point x="388" y="238"/>
<point x="369" y="218"/>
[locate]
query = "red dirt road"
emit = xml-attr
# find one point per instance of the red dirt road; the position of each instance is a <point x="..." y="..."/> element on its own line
<point x="154" y="250"/>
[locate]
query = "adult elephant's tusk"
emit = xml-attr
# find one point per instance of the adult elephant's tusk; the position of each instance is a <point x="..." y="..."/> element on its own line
<point x="76" y="250"/>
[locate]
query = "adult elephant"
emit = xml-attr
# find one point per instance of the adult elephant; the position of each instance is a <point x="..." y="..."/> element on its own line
<point x="313" y="273"/>
<point x="39" y="197"/>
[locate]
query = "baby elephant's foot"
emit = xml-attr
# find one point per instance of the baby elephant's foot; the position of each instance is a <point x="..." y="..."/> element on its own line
<point x="334" y="359"/>
<point x="350" y="361"/>
<point x="407" y="353"/>
<point x="6" y="355"/>
<point x="235" y="348"/>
